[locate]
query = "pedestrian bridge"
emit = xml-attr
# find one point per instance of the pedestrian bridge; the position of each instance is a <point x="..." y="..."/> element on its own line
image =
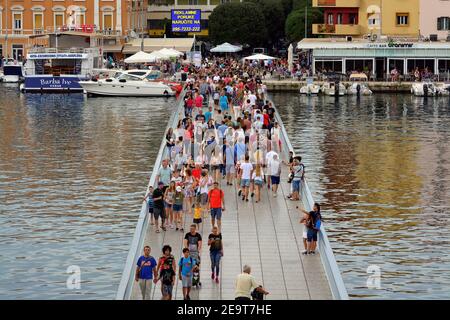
<point x="265" y="235"/>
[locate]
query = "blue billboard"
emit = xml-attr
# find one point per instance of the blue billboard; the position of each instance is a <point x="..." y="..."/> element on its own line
<point x="186" y="20"/>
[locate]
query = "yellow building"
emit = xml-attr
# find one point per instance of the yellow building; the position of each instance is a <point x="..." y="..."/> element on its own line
<point x="368" y="17"/>
<point x="20" y="19"/>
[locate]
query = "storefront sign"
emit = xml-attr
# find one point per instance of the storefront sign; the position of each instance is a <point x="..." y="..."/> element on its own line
<point x="390" y="45"/>
<point x="34" y="56"/>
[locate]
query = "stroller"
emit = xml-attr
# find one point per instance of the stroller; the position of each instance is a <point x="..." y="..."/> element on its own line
<point x="196" y="270"/>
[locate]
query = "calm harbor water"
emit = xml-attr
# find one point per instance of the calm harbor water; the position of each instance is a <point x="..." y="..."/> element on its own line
<point x="72" y="173"/>
<point x="380" y="167"/>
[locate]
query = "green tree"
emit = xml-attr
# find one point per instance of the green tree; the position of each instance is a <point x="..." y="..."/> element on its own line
<point x="238" y="22"/>
<point x="295" y="22"/>
<point x="274" y="17"/>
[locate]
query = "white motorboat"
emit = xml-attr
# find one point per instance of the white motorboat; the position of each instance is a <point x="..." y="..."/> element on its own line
<point x="359" y="84"/>
<point x="443" y="89"/>
<point x="310" y="88"/>
<point x="12" y="72"/>
<point x="131" y="83"/>
<point x="329" y="88"/>
<point x="424" y="89"/>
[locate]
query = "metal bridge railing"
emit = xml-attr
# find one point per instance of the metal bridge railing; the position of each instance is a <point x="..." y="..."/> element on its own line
<point x="326" y="252"/>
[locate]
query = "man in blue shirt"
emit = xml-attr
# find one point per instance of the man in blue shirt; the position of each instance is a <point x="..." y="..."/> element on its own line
<point x="208" y="114"/>
<point x="223" y="102"/>
<point x="186" y="269"/>
<point x="146" y="272"/>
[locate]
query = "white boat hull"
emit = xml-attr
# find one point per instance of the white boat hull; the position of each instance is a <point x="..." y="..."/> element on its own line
<point x="364" y="90"/>
<point x="329" y="89"/>
<point x="126" y="89"/>
<point x="310" y="89"/>
<point x="11" y="79"/>
<point x="423" y="89"/>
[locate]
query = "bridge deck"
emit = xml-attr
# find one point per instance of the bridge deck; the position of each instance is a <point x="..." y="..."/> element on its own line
<point x="265" y="235"/>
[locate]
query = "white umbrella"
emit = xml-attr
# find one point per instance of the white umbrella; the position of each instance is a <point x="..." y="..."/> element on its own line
<point x="226" y="48"/>
<point x="259" y="56"/>
<point x="170" y="52"/>
<point x="157" y="55"/>
<point x="140" y="57"/>
<point x="291" y="57"/>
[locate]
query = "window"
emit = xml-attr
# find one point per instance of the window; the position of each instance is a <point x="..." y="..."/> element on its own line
<point x="107" y="21"/>
<point x="443" y="23"/>
<point x="79" y="18"/>
<point x="17" y="52"/>
<point x="352" y="18"/>
<point x="402" y="19"/>
<point x="330" y="19"/>
<point x="339" y="18"/>
<point x="59" y="20"/>
<point x="17" y="20"/>
<point x="38" y="23"/>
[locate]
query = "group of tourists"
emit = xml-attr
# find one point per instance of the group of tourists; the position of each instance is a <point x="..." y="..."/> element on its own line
<point x="228" y="133"/>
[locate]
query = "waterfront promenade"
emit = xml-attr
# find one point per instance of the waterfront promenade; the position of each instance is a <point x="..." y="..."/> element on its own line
<point x="265" y="235"/>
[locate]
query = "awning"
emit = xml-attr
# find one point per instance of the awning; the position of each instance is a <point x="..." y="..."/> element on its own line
<point x="373" y="9"/>
<point x="155" y="44"/>
<point x="113" y="48"/>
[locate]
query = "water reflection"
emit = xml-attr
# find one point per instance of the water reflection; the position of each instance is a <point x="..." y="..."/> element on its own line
<point x="380" y="166"/>
<point x="72" y="173"/>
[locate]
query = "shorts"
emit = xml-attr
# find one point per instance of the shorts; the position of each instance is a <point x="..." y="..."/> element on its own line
<point x="167" y="289"/>
<point x="150" y="210"/>
<point x="229" y="168"/>
<point x="158" y="212"/>
<point x="177" y="207"/>
<point x="186" y="281"/>
<point x="259" y="182"/>
<point x="275" y="179"/>
<point x="214" y="167"/>
<point x="203" y="198"/>
<point x="216" y="213"/>
<point x="245" y="183"/>
<point x="296" y="186"/>
<point x="167" y="205"/>
<point x="197" y="220"/>
<point x="311" y="235"/>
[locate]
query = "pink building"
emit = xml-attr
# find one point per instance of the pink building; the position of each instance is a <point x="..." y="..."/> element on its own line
<point x="435" y="18"/>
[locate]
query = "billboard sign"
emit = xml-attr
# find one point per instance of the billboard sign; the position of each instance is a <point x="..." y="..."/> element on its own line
<point x="186" y="20"/>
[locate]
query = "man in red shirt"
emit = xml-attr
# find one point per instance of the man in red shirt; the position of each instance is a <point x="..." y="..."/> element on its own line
<point x="216" y="201"/>
<point x="198" y="101"/>
<point x="197" y="172"/>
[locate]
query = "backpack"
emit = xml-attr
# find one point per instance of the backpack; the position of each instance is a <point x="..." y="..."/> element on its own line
<point x="256" y="295"/>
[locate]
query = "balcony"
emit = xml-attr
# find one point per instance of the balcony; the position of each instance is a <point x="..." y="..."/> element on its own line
<point x="337" y="3"/>
<point x="337" y="29"/>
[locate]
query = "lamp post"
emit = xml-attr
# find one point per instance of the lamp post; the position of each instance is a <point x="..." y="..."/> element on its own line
<point x="306" y="19"/>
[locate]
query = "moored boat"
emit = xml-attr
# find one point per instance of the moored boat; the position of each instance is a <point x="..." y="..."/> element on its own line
<point x="131" y="83"/>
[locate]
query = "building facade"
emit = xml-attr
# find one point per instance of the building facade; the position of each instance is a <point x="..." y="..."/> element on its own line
<point x="435" y="19"/>
<point x="368" y="17"/>
<point x="20" y="19"/>
<point x="159" y="14"/>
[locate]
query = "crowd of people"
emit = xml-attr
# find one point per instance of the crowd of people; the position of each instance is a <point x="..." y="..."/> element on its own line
<point x="228" y="133"/>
